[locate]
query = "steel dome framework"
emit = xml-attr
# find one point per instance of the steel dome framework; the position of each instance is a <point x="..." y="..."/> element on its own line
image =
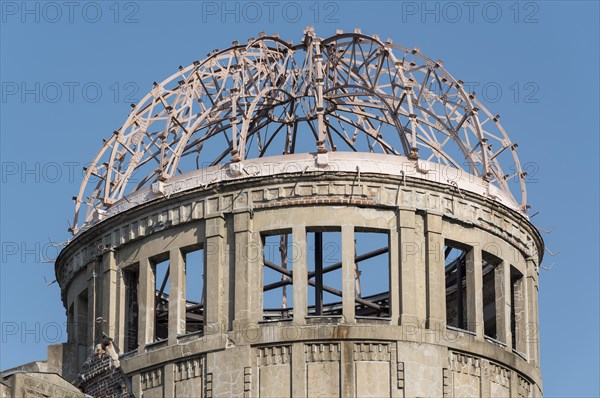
<point x="348" y="92"/>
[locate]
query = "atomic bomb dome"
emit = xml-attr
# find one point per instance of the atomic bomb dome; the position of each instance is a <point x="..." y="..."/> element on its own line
<point x="336" y="217"/>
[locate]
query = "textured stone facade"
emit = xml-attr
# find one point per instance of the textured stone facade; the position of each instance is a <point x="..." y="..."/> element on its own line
<point x="36" y="380"/>
<point x="412" y="351"/>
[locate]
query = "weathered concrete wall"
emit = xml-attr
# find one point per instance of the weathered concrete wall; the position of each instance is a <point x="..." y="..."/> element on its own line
<point x="37" y="385"/>
<point x="410" y="353"/>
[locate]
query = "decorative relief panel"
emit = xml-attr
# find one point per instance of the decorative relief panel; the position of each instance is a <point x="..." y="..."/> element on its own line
<point x="188" y="377"/>
<point x="466" y="375"/>
<point x="446" y="382"/>
<point x="524" y="387"/>
<point x="152" y="378"/>
<point x="322" y="369"/>
<point x="189" y="369"/>
<point x="473" y="376"/>
<point x="400" y="375"/>
<point x="247" y="381"/>
<point x="372" y="352"/>
<point x="209" y="385"/>
<point x="275" y="371"/>
<point x="372" y="370"/>
<point x="499" y="379"/>
<point x="465" y="364"/>
<point x="322" y="352"/>
<point x="152" y="383"/>
<point x="274" y="355"/>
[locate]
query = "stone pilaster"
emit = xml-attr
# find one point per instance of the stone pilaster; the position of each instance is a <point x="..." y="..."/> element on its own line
<point x="216" y="314"/>
<point x="109" y="292"/>
<point x="502" y="279"/>
<point x="475" y="292"/>
<point x="409" y="250"/>
<point x="394" y="273"/>
<point x="146" y="304"/>
<point x="245" y="312"/>
<point x="176" y="295"/>
<point x="348" y="272"/>
<point x="436" y="296"/>
<point x="300" y="274"/>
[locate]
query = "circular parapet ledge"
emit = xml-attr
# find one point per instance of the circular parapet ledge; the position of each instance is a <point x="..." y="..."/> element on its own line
<point x="401" y="184"/>
<point x="360" y="163"/>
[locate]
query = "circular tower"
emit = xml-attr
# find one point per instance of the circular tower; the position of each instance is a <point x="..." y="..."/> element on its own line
<point x="337" y="217"/>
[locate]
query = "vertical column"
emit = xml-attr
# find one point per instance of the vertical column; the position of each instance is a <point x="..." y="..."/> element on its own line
<point x="409" y="249"/>
<point x="119" y="339"/>
<point x="246" y="309"/>
<point x="514" y="385"/>
<point x="169" y="378"/>
<point x="136" y="385"/>
<point x="519" y="313"/>
<point x="502" y="278"/>
<point x="76" y="328"/>
<point x="475" y="292"/>
<point x="298" y="368"/>
<point x="109" y="292"/>
<point x="254" y="254"/>
<point x="486" y="385"/>
<point x="348" y="385"/>
<point x="300" y="275"/>
<point x="146" y="304"/>
<point x="394" y="264"/>
<point x="93" y="301"/>
<point x="528" y="329"/>
<point x="176" y="295"/>
<point x="348" y="272"/>
<point x="533" y="318"/>
<point x="215" y="315"/>
<point x="436" y="292"/>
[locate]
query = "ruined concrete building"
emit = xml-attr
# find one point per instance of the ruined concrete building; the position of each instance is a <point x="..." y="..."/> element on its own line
<point x="336" y="217"/>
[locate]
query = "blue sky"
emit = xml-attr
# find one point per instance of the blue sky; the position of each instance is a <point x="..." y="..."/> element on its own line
<point x="70" y="69"/>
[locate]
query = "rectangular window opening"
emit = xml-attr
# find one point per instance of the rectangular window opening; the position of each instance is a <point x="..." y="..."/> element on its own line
<point x="195" y="290"/>
<point x="161" y="304"/>
<point x="324" y="261"/>
<point x="71" y="323"/>
<point x="82" y="318"/>
<point x="278" y="292"/>
<point x="491" y="286"/>
<point x="455" y="260"/>
<point x="82" y="325"/>
<point x="372" y="274"/>
<point x="516" y="307"/>
<point x="131" y="281"/>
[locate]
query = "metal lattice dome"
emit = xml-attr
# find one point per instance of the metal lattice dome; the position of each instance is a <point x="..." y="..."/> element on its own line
<point x="349" y="92"/>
